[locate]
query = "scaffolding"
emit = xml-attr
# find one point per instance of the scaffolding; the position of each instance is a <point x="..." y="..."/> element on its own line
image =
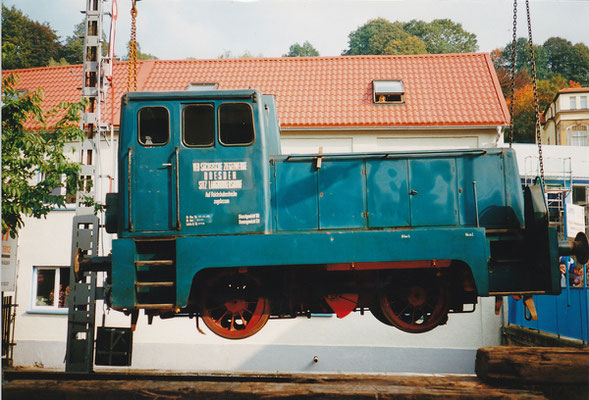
<point x="559" y="185"/>
<point x="84" y="289"/>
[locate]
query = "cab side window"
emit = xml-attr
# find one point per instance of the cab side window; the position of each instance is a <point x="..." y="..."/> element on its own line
<point x="198" y="125"/>
<point x="154" y="126"/>
<point x="236" y="125"/>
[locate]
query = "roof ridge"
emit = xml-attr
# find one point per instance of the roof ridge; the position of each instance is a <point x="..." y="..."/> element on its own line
<point x="249" y="59"/>
<point x="312" y="58"/>
<point x="8" y="71"/>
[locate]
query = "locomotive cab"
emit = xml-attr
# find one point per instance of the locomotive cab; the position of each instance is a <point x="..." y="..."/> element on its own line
<point x="194" y="166"/>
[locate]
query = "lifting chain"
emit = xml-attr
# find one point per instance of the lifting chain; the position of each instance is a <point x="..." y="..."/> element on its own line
<point x="132" y="66"/>
<point x="512" y="88"/>
<point x="537" y="127"/>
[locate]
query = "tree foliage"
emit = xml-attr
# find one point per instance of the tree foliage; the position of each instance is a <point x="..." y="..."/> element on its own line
<point x="34" y="163"/>
<point x="140" y="55"/>
<point x="73" y="48"/>
<point x="442" y="36"/>
<point x="557" y="56"/>
<point x="524" y="109"/>
<point x="302" y="50"/>
<point x="568" y="60"/>
<point x="26" y="43"/>
<point x="380" y="36"/>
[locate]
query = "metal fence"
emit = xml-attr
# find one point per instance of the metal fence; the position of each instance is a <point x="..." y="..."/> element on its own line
<point x="7" y="328"/>
<point x="566" y="315"/>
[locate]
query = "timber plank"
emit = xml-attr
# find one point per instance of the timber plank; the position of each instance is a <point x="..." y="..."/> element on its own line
<point x="296" y="387"/>
<point x="536" y="365"/>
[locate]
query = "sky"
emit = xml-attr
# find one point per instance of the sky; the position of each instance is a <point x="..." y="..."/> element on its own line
<point x="177" y="29"/>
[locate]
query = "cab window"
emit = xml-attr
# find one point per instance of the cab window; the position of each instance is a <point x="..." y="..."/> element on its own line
<point x="198" y="125"/>
<point x="154" y="126"/>
<point x="236" y="126"/>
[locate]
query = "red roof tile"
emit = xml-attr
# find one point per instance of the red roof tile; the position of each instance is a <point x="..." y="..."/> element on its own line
<point x="440" y="90"/>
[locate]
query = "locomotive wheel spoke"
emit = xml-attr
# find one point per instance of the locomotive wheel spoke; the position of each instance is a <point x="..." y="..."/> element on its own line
<point x="416" y="306"/>
<point x="243" y="320"/>
<point x="221" y="318"/>
<point x="238" y="300"/>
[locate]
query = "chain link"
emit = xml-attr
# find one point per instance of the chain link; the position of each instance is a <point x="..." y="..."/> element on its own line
<point x="512" y="88"/>
<point x="132" y="65"/>
<point x="536" y="103"/>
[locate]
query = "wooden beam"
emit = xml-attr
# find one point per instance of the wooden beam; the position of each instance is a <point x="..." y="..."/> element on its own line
<point x="538" y="365"/>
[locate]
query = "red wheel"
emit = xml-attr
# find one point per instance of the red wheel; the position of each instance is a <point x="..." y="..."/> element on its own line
<point x="416" y="306"/>
<point x="233" y="307"/>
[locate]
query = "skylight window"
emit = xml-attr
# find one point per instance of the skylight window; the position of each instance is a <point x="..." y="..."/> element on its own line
<point x="201" y="86"/>
<point x="387" y="92"/>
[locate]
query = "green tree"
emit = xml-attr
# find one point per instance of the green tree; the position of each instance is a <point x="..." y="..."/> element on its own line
<point x="140" y="55"/>
<point x="73" y="48"/>
<point x="301" y="50"/>
<point x="380" y="36"/>
<point x="34" y="162"/>
<point x="26" y="43"/>
<point x="442" y="36"/>
<point x="570" y="61"/>
<point x="523" y="59"/>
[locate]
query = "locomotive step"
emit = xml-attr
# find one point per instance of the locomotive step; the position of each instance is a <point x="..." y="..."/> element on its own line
<point x="154" y="263"/>
<point x="154" y="284"/>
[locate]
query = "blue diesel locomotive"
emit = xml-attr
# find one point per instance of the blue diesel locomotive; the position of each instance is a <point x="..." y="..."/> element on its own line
<point x="213" y="222"/>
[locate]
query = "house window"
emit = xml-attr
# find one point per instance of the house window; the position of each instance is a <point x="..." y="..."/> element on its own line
<point x="580" y="195"/>
<point x="387" y="92"/>
<point x="50" y="288"/>
<point x="572" y="102"/>
<point x="583" y="102"/>
<point x="577" y="135"/>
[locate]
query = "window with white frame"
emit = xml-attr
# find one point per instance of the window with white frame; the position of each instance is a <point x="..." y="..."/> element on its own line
<point x="583" y="102"/>
<point x="578" y="135"/>
<point x="384" y="92"/>
<point x="51" y="285"/>
<point x="572" y="102"/>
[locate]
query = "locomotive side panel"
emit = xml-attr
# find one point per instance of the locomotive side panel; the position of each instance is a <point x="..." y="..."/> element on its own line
<point x="369" y="191"/>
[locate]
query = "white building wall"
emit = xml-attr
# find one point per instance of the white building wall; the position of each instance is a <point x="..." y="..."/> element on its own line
<point x="361" y="141"/>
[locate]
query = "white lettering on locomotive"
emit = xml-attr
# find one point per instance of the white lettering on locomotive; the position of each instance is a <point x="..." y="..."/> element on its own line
<point x="220" y="176"/>
<point x="197" y="220"/>
<point x="248" y="219"/>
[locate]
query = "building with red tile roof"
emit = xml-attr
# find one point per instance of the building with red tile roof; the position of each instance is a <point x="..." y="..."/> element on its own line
<point x="455" y="93"/>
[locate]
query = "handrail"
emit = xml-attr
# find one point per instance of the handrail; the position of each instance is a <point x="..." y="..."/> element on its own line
<point x="129" y="157"/>
<point x="178" y="223"/>
<point x="396" y="155"/>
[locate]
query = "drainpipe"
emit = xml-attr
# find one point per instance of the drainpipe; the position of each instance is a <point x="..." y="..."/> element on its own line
<point x="500" y="141"/>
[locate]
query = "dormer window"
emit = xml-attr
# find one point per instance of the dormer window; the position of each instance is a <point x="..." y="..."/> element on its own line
<point x="388" y="92"/>
<point x="201" y="86"/>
